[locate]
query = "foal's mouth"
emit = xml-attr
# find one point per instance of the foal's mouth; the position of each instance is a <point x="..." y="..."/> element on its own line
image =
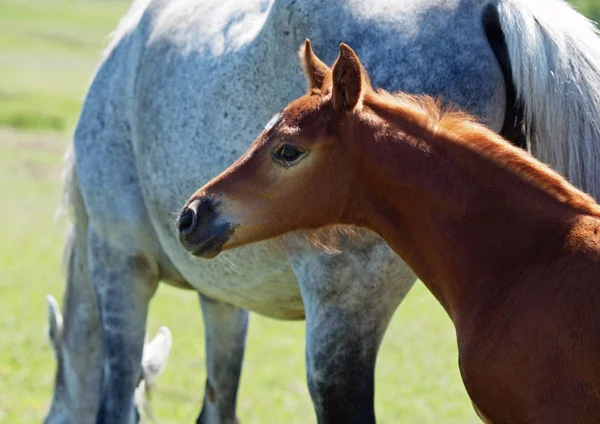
<point x="209" y="244"/>
<point x="210" y="247"/>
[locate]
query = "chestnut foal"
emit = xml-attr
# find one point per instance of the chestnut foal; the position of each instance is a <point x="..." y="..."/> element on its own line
<point x="509" y="248"/>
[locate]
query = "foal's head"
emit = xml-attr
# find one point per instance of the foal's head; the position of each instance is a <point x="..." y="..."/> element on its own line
<point x="298" y="174"/>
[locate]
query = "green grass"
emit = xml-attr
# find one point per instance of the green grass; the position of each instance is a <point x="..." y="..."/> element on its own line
<point x="48" y="50"/>
<point x="590" y="8"/>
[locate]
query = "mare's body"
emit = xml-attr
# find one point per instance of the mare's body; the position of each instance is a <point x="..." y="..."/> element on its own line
<point x="181" y="91"/>
<point x="509" y="248"/>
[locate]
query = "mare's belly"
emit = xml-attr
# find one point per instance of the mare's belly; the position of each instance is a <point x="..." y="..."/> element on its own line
<point x="258" y="278"/>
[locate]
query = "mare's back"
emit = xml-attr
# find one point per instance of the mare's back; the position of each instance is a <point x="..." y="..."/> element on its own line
<point x="213" y="73"/>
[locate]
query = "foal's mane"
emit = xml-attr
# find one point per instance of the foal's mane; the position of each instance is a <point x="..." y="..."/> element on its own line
<point x="450" y="124"/>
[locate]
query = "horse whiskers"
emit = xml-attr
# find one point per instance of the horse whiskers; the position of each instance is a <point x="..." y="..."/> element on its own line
<point x="222" y="259"/>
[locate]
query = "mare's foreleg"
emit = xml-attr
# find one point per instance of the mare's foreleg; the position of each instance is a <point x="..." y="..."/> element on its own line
<point x="225" y="328"/>
<point x="125" y="281"/>
<point x="349" y="300"/>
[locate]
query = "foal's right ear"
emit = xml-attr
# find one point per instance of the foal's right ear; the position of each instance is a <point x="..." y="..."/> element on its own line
<point x="55" y="322"/>
<point x="349" y="80"/>
<point x="155" y="354"/>
<point x="314" y="69"/>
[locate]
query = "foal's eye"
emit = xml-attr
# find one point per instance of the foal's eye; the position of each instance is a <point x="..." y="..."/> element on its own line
<point x="287" y="154"/>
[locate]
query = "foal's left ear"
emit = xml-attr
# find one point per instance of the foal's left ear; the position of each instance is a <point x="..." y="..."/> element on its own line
<point x="314" y="68"/>
<point x="348" y="80"/>
<point x="55" y="322"/>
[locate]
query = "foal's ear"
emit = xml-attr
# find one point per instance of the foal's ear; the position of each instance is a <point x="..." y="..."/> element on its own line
<point x="55" y="322"/>
<point x="314" y="69"/>
<point x="155" y="354"/>
<point x="348" y="80"/>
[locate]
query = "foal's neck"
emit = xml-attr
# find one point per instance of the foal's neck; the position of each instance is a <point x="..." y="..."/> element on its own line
<point x="467" y="211"/>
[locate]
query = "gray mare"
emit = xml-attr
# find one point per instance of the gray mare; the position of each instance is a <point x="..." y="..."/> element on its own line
<point x="180" y="93"/>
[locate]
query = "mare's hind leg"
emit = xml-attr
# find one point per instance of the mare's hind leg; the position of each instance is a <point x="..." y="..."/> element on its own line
<point x="76" y="340"/>
<point x="125" y="280"/>
<point x="349" y="300"/>
<point x="225" y="327"/>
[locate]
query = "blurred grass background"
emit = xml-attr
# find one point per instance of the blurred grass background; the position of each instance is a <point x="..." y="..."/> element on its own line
<point x="48" y="51"/>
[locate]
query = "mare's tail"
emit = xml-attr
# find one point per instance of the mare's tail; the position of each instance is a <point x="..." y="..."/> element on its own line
<point x="554" y="55"/>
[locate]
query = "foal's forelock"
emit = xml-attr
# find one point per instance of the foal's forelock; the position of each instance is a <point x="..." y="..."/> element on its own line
<point x="272" y="122"/>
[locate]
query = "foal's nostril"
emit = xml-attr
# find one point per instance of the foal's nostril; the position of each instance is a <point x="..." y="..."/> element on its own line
<point x="201" y="232"/>
<point x="186" y="221"/>
<point x="204" y="207"/>
<point x="195" y="218"/>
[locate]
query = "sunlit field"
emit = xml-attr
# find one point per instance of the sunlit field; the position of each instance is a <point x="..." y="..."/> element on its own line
<point x="48" y="51"/>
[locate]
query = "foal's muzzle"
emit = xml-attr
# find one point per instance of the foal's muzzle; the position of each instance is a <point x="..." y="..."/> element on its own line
<point x="200" y="231"/>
